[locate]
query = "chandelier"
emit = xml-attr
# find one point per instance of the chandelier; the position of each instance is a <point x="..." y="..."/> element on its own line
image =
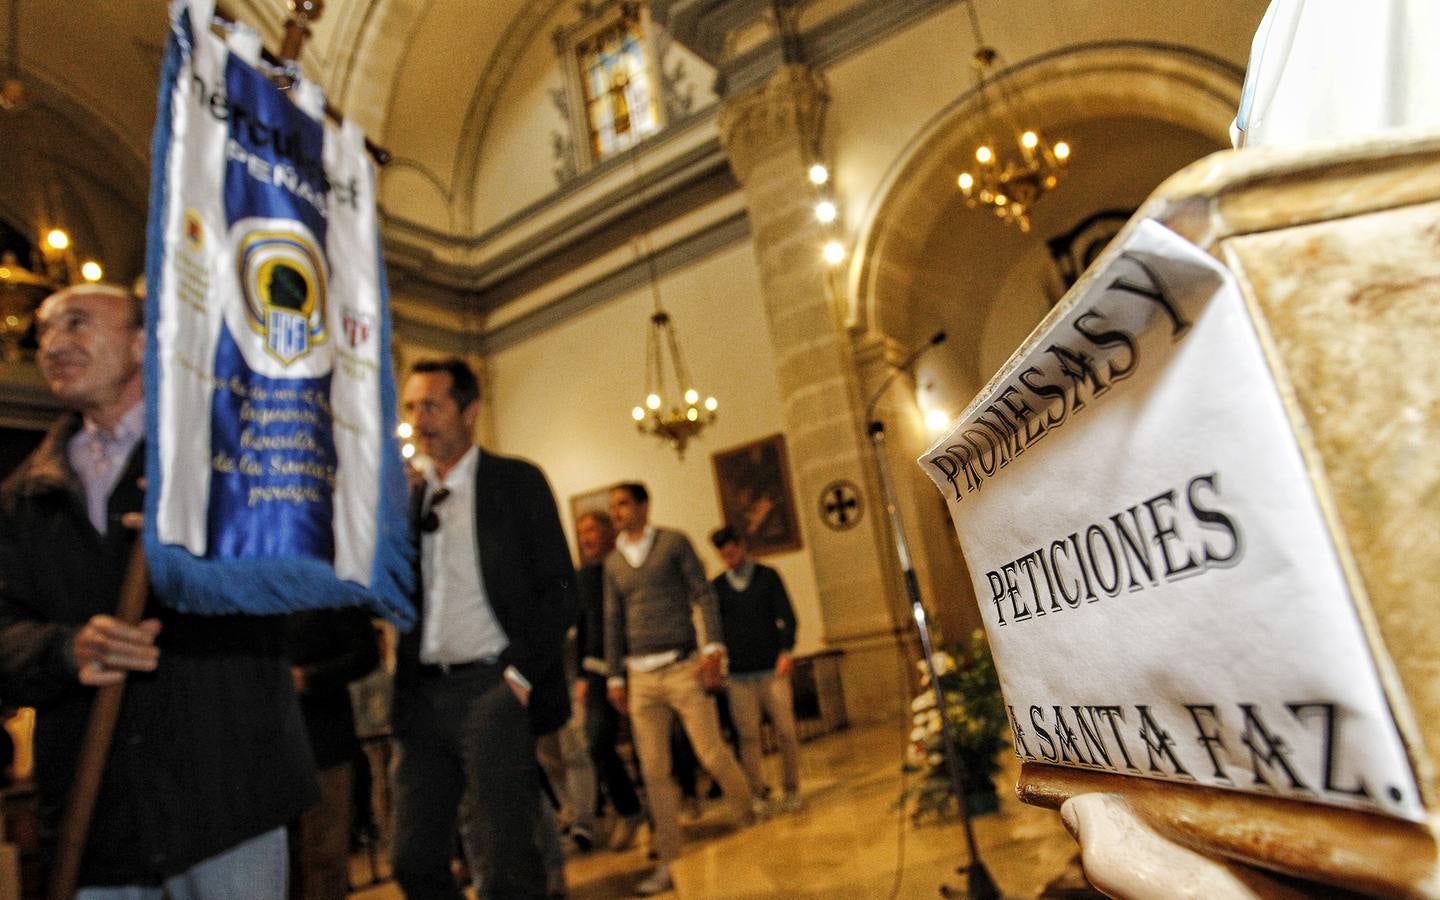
<point x="1014" y="164"/>
<point x="22" y="289"/>
<point x="20" y="293"/>
<point x="673" y="410"/>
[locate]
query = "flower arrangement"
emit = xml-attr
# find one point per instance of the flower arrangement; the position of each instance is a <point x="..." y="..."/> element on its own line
<point x="975" y="711"/>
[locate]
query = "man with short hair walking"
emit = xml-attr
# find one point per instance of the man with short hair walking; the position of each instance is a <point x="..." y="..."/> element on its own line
<point x="483" y="669"/>
<point x="759" y="627"/>
<point x="658" y="669"/>
<point x="596" y="538"/>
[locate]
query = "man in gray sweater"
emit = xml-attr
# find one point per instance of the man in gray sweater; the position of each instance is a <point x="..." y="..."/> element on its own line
<point x="652" y="580"/>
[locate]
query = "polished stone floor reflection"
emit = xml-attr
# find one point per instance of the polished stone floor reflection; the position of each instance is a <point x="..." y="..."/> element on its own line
<point x="850" y="840"/>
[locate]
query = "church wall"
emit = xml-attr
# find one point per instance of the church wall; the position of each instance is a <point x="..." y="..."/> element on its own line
<point x="517" y="159"/>
<point x="422" y="123"/>
<point x="886" y="99"/>
<point x="563" y="400"/>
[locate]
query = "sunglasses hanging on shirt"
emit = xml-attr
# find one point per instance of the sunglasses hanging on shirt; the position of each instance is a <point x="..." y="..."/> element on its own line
<point x="430" y="522"/>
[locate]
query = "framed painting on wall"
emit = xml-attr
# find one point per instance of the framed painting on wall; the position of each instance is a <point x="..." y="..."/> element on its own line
<point x="753" y="484"/>
<point x="594" y="500"/>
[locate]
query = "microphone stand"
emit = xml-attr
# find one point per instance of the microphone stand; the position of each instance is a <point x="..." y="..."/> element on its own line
<point x="979" y="884"/>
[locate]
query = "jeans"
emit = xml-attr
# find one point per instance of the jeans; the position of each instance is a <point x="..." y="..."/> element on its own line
<point x="254" y="870"/>
<point x="566" y="762"/>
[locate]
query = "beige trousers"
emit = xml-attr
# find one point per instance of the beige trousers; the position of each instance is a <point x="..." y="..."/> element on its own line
<point x="747" y="696"/>
<point x="655" y="699"/>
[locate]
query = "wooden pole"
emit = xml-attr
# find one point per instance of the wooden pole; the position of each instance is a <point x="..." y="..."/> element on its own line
<point x="297" y="30"/>
<point x="96" y="746"/>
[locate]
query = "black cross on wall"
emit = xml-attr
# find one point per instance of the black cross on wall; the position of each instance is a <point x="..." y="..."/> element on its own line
<point x="840" y="505"/>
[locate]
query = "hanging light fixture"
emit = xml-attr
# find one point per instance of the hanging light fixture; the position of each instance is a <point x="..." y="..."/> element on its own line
<point x="672" y="410"/>
<point x="12" y="90"/>
<point x="22" y="289"/>
<point x="20" y="293"/>
<point x="1014" y="164"/>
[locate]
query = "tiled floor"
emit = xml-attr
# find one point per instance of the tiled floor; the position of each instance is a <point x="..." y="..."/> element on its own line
<point x="849" y="842"/>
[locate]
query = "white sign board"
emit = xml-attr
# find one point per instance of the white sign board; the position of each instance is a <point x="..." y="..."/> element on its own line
<point x="1161" y="594"/>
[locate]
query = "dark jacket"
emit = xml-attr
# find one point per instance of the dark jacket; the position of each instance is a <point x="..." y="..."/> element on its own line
<point x="209" y="750"/>
<point x="525" y="565"/>
<point x="590" y="622"/>
<point x="333" y="647"/>
<point x="758" y="622"/>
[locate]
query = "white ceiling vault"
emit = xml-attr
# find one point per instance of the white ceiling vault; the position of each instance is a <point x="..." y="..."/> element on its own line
<point x="454" y="89"/>
<point x="423" y="78"/>
<point x="389" y="64"/>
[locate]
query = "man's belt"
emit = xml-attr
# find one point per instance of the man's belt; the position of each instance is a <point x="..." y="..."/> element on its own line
<point x="438" y="670"/>
<point x="656" y="660"/>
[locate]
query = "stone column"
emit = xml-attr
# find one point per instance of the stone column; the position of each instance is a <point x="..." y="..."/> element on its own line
<point x="768" y="134"/>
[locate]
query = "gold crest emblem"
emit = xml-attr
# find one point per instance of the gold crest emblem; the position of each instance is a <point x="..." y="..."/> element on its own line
<point x="282" y="276"/>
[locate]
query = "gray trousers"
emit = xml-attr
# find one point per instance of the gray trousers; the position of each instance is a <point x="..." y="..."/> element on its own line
<point x="566" y="761"/>
<point x="464" y="753"/>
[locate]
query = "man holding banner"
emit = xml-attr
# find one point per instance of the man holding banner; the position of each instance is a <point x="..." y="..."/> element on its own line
<point x="273" y="484"/>
<point x="209" y="758"/>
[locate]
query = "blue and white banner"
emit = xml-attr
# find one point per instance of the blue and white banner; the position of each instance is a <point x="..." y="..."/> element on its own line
<point x="275" y="480"/>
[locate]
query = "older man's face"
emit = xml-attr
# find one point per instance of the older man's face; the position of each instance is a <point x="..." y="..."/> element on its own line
<point x="90" y="351"/>
<point x="595" y="539"/>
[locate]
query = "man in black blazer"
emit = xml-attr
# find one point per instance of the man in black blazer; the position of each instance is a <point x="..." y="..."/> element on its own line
<point x="482" y="672"/>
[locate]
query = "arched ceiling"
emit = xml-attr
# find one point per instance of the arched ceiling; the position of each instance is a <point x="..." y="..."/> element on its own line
<point x="420" y="76"/>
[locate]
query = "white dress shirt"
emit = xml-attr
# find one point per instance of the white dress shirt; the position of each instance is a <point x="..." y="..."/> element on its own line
<point x="636" y="549"/>
<point x="460" y="626"/>
<point x="98" y="456"/>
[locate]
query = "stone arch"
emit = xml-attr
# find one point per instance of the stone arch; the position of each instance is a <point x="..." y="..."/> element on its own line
<point x="1175" y="85"/>
<point x="71" y="163"/>
<point x="917" y="211"/>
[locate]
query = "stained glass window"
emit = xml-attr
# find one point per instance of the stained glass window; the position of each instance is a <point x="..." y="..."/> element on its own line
<point x="620" y="101"/>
